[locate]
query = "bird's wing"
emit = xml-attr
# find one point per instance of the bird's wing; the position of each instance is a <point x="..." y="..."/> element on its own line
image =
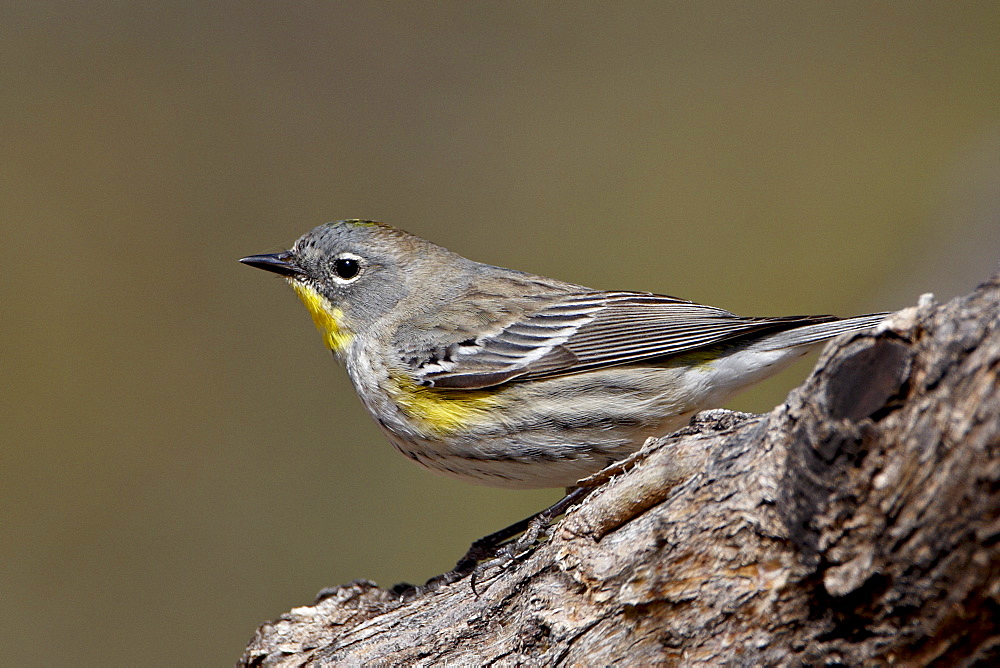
<point x="576" y="332"/>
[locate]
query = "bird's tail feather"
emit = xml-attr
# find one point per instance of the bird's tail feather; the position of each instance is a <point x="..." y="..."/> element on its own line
<point x="813" y="334"/>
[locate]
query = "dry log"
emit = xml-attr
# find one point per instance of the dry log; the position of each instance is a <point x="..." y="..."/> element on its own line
<point x="856" y="523"/>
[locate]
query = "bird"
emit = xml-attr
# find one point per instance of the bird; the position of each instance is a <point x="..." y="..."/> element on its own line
<point x="509" y="379"/>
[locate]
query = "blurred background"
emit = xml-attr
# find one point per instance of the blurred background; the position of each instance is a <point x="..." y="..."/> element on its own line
<point x="182" y="459"/>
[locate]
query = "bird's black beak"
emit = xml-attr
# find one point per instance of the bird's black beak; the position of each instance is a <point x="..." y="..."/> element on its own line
<point x="279" y="263"/>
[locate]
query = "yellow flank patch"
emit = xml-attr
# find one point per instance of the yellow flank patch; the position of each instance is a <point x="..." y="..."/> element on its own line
<point x="326" y="316"/>
<point x="444" y="411"/>
<point x="700" y="360"/>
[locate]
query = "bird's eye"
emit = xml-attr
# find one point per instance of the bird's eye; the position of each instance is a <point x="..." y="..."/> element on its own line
<point x="346" y="267"/>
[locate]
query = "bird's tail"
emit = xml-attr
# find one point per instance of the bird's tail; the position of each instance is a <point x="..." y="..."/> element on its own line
<point x="819" y="332"/>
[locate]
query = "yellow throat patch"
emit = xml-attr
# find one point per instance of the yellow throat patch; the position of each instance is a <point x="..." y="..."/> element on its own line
<point x="327" y="317"/>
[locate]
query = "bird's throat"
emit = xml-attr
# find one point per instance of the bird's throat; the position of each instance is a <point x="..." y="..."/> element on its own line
<point x="327" y="317"/>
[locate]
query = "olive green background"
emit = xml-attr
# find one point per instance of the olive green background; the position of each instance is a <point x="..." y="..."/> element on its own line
<point x="181" y="459"/>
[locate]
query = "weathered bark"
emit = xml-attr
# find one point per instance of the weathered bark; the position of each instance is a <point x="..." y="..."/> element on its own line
<point x="856" y="523"/>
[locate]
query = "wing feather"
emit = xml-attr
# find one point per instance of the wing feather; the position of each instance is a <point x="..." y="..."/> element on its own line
<point x="575" y="332"/>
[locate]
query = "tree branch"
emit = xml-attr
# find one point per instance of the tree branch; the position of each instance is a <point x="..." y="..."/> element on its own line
<point x="858" y="522"/>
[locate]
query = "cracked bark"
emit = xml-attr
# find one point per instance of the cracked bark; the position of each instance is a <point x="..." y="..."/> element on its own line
<point x="856" y="523"/>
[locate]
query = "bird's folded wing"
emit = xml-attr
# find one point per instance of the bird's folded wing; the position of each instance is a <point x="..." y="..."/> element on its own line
<point x="577" y="332"/>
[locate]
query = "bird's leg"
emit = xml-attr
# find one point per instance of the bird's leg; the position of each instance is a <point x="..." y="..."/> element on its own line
<point x="539" y="523"/>
<point x="495" y="544"/>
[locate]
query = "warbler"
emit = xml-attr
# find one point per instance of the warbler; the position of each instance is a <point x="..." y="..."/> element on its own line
<point x="508" y="379"/>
